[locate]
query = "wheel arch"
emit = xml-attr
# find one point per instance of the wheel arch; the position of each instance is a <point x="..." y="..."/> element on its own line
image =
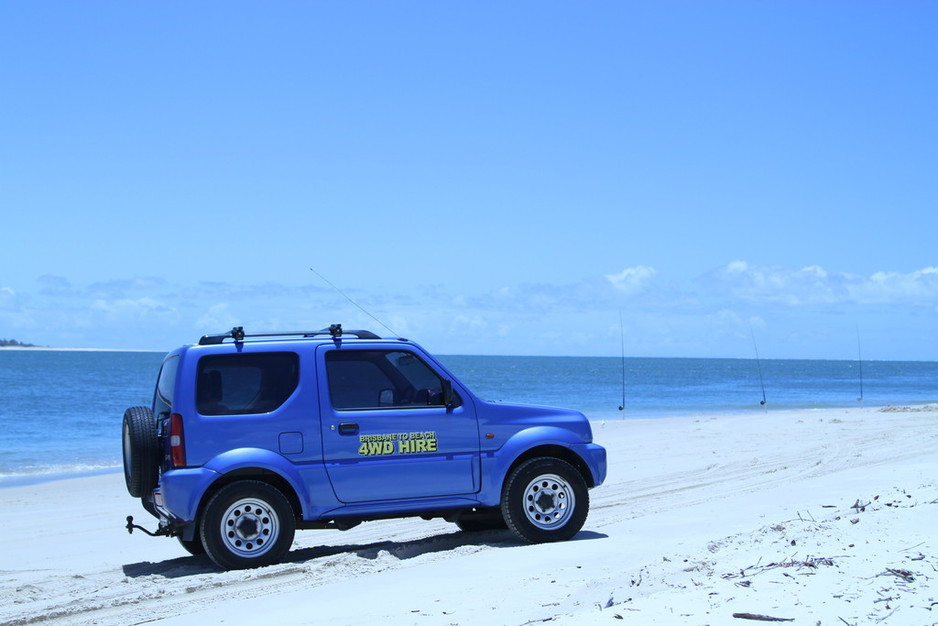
<point x="260" y="474"/>
<point x="554" y="451"/>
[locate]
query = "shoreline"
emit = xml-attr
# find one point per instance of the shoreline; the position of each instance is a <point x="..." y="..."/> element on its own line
<point x="38" y="478"/>
<point x="11" y="480"/>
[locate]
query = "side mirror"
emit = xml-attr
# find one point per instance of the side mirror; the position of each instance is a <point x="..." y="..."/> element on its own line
<point x="450" y="399"/>
<point x="386" y="397"/>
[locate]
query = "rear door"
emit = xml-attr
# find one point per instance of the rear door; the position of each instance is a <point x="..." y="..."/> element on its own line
<point x="386" y="433"/>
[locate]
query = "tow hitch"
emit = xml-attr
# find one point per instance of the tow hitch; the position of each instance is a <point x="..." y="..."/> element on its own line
<point x="162" y="531"/>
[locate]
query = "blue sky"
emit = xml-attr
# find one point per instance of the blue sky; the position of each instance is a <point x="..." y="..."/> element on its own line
<point x="483" y="177"/>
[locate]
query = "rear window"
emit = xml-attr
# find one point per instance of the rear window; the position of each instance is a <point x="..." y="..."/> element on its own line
<point x="165" y="386"/>
<point x="238" y="384"/>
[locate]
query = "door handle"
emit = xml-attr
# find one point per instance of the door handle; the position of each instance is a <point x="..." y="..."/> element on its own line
<point x="348" y="428"/>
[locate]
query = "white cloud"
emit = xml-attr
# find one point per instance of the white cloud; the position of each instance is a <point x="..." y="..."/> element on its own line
<point x="815" y="285"/>
<point x="7" y="298"/>
<point x="919" y="287"/>
<point x="131" y="308"/>
<point x="773" y="284"/>
<point x="217" y="318"/>
<point x="632" y="280"/>
<point x="662" y="314"/>
<point x="124" y="289"/>
<point x="52" y="285"/>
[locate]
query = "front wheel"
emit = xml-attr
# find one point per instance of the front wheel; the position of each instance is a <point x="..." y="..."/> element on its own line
<point x="545" y="499"/>
<point x="247" y="524"/>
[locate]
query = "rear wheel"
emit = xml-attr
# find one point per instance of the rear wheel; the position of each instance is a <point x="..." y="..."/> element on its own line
<point x="247" y="524"/>
<point x="141" y="451"/>
<point x="193" y="546"/>
<point x="545" y="499"/>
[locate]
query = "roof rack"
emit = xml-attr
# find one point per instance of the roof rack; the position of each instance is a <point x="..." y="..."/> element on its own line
<point x="237" y="333"/>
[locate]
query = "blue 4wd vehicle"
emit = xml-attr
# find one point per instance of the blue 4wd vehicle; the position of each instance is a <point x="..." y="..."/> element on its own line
<point x="253" y="436"/>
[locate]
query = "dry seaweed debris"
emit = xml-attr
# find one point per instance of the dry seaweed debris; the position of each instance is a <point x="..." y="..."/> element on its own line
<point x="927" y="408"/>
<point x="810" y="562"/>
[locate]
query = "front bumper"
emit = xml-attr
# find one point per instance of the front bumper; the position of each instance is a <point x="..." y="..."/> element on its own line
<point x="595" y="457"/>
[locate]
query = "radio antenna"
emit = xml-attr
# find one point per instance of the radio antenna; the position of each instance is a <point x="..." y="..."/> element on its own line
<point x="358" y="306"/>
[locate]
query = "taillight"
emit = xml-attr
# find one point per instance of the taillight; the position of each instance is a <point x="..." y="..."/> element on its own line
<point x="177" y="442"/>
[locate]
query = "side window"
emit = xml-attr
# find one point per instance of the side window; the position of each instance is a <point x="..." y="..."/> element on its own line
<point x="238" y="384"/>
<point x="374" y="379"/>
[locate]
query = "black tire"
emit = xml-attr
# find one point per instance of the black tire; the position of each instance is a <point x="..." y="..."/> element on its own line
<point x="193" y="547"/>
<point x="247" y="524"/>
<point x="141" y="451"/>
<point x="545" y="499"/>
<point x="481" y="520"/>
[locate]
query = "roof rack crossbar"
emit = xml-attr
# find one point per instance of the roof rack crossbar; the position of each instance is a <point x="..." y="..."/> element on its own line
<point x="237" y="333"/>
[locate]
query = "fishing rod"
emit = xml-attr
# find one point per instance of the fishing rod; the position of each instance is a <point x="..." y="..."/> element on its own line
<point x="758" y="364"/>
<point x="358" y="306"/>
<point x="622" y="337"/>
<point x="860" y="364"/>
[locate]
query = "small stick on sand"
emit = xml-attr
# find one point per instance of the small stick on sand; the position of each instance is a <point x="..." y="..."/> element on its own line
<point x="762" y="618"/>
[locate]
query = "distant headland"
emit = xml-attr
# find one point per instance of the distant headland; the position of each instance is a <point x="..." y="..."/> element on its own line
<point x="13" y="343"/>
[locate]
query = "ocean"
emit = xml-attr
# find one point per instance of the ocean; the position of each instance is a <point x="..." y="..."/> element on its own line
<point x="61" y="411"/>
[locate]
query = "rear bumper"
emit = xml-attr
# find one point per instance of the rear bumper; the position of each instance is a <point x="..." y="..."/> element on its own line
<point x="180" y="491"/>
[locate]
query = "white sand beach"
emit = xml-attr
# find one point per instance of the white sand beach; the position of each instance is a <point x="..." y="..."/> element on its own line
<point x="819" y="517"/>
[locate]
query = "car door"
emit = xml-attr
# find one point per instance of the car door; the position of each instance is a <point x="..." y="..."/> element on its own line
<point x="386" y="433"/>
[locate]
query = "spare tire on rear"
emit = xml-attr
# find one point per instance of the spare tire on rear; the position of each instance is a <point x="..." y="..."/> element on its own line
<point x="141" y="451"/>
